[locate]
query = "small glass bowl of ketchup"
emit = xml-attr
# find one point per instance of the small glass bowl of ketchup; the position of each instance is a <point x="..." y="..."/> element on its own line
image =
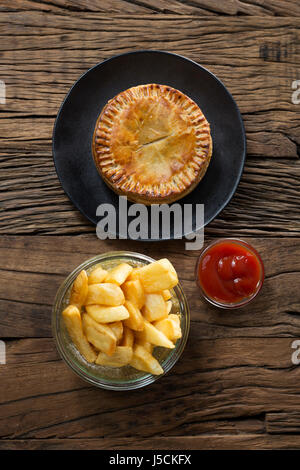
<point x="229" y="273"/>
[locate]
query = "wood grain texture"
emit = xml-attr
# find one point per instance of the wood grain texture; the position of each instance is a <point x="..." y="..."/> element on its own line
<point x="210" y="442"/>
<point x="277" y="423"/>
<point x="43" y="53"/>
<point x="214" y="383"/>
<point x="180" y="7"/>
<point x="33" y="202"/>
<point x="36" y="266"/>
<point x="234" y="378"/>
<point x="235" y="386"/>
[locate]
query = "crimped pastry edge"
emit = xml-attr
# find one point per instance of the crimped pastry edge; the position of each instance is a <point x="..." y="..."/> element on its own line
<point x="100" y="148"/>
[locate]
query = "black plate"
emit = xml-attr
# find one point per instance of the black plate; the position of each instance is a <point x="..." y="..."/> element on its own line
<point x="74" y="126"/>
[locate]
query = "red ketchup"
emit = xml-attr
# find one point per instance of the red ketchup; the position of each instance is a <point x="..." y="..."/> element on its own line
<point x="230" y="271"/>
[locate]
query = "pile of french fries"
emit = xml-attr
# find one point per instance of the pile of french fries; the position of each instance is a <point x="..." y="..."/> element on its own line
<point x="116" y="317"/>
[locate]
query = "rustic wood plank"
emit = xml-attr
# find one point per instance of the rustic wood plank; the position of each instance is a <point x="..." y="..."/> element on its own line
<point x="235" y="385"/>
<point x="224" y="379"/>
<point x="277" y="423"/>
<point x="181" y="7"/>
<point x="57" y="52"/>
<point x="32" y="201"/>
<point x="116" y="7"/>
<point x="42" y="55"/>
<point x="210" y="442"/>
<point x="36" y="266"/>
<point x="233" y="380"/>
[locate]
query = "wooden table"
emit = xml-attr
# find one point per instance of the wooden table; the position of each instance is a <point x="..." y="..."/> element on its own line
<point x="235" y="386"/>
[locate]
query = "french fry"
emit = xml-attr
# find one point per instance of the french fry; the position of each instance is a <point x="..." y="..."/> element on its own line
<point x="97" y="275"/>
<point x="121" y="357"/>
<point x="166" y="326"/>
<point x="134" y="291"/>
<point x="158" y="276"/>
<point x="119" y="274"/>
<point x="128" y="337"/>
<point x="101" y="336"/>
<point x="169" y="327"/>
<point x="117" y="328"/>
<point x="126" y="313"/>
<point x="135" y="320"/>
<point x="177" y="328"/>
<point x="154" y="336"/>
<point x="134" y="275"/>
<point x="155" y="307"/>
<point x="166" y="294"/>
<point x="79" y="290"/>
<point x="143" y="360"/>
<point x="105" y="314"/>
<point x="104" y="294"/>
<point x="72" y="319"/>
<point x="169" y="306"/>
<point x="148" y="346"/>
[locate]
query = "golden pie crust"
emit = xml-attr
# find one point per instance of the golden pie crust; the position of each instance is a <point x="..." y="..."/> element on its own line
<point x="152" y="144"/>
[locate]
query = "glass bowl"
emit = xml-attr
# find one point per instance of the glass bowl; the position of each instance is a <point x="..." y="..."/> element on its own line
<point x="244" y="301"/>
<point x="123" y="378"/>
